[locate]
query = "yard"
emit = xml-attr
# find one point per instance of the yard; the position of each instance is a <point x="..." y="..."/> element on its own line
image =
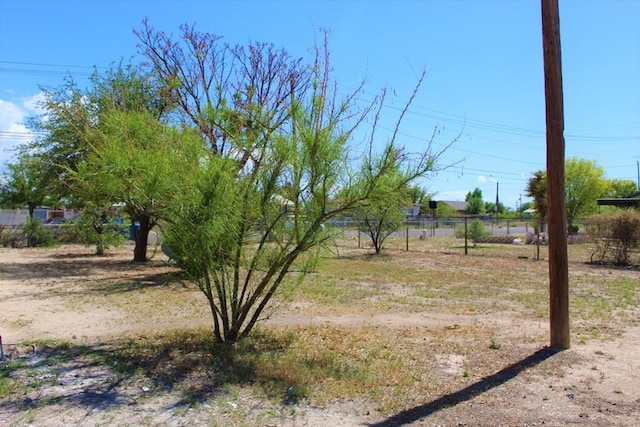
<point x="427" y="336"/>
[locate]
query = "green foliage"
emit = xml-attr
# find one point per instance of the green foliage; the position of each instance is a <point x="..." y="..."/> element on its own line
<point x="72" y="115"/>
<point x="383" y="214"/>
<point x="620" y="188"/>
<point x="524" y="206"/>
<point x="25" y="183"/>
<point x="537" y="188"/>
<point x="475" y="231"/>
<point x="34" y="234"/>
<point x="251" y="217"/>
<point x="490" y="208"/>
<point x="475" y="204"/>
<point x="206" y="222"/>
<point x="99" y="144"/>
<point x="445" y="210"/>
<point x="584" y="184"/>
<point x="97" y="227"/>
<point x="138" y="162"/>
<point x="419" y="195"/>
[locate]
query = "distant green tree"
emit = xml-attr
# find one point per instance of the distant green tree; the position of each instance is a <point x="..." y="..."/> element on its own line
<point x="584" y="184"/>
<point x="444" y="210"/>
<point x="25" y="183"/>
<point x="383" y="214"/>
<point x="96" y="226"/>
<point x="524" y="206"/>
<point x="620" y="188"/>
<point x="490" y="207"/>
<point x="419" y="195"/>
<point x="475" y="204"/>
<point x="137" y="162"/>
<point x="77" y="123"/>
<point x="475" y="231"/>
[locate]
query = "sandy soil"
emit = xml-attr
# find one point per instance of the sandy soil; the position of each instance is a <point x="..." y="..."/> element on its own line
<point x="59" y="294"/>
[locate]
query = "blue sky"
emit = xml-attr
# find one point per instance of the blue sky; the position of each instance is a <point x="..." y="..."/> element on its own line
<point x="483" y="60"/>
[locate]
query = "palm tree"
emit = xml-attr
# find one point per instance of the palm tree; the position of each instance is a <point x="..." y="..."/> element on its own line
<point x="537" y="188"/>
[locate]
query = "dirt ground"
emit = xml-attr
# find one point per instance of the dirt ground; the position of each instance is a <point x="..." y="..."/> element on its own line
<point x="59" y="294"/>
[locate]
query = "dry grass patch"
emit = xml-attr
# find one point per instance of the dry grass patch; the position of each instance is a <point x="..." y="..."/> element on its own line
<point x="395" y="331"/>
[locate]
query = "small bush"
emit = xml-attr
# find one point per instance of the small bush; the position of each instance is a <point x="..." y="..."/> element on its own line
<point x="475" y="231"/>
<point x="35" y="234"/>
<point x="96" y="227"/>
<point x="616" y="235"/>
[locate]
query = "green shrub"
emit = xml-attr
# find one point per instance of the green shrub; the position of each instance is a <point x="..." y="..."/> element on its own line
<point x="34" y="234"/>
<point x="475" y="231"/>
<point x="96" y="227"/>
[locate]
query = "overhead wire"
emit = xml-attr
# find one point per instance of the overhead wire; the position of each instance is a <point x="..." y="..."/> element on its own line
<point x="57" y="70"/>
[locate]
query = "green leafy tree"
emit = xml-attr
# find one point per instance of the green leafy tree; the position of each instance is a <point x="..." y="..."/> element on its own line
<point x="475" y="204"/>
<point x="383" y="214"/>
<point x="34" y="234"/>
<point x="584" y="184"/>
<point x="418" y="194"/>
<point x="475" y="231"/>
<point x="68" y="113"/>
<point x="490" y="207"/>
<point x="524" y="206"/>
<point x="620" y="188"/>
<point x="445" y="210"/>
<point x="25" y="183"/>
<point x="77" y="123"/>
<point x="97" y="226"/>
<point x="241" y="229"/>
<point x="137" y="162"/>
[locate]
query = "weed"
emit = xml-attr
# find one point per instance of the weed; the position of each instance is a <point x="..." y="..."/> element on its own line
<point x="495" y="345"/>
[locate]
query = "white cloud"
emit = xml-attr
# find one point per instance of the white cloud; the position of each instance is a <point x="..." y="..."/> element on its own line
<point x="33" y="104"/>
<point x="452" y="195"/>
<point x="13" y="132"/>
<point x="484" y="179"/>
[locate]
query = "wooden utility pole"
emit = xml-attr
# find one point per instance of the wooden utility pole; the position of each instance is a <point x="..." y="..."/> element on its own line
<point x="556" y="212"/>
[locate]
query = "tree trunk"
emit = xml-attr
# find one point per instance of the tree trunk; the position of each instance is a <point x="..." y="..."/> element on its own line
<point x="141" y="237"/>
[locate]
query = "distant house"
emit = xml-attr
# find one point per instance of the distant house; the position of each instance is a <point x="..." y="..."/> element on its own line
<point x="15" y="217"/>
<point x="460" y="207"/>
<point x="632" y="201"/>
<point x="413" y="210"/>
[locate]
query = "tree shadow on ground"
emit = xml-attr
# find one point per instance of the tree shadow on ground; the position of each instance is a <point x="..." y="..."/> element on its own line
<point x="487" y="383"/>
<point x="187" y="364"/>
<point x="109" y="276"/>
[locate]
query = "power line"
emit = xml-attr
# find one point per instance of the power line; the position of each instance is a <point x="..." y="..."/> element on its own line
<point x="49" y="65"/>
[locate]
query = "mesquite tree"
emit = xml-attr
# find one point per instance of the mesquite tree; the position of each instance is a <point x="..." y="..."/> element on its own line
<point x="279" y="168"/>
